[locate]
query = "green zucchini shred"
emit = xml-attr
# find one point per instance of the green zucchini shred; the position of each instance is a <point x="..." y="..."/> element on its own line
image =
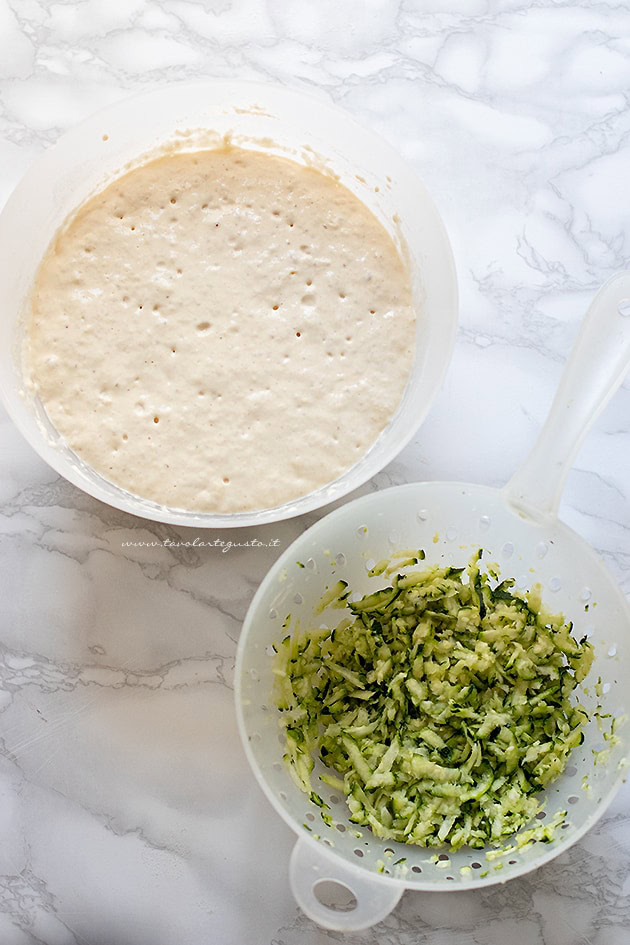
<point x="442" y="704"/>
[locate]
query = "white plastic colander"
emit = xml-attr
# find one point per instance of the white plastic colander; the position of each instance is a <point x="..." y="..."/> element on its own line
<point x="518" y="527"/>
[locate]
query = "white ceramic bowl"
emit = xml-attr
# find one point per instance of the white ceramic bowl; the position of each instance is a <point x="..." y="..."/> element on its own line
<point x="268" y="118"/>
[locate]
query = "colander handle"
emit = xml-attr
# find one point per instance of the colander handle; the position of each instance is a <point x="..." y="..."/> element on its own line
<point x="596" y="367"/>
<point x="375" y="897"/>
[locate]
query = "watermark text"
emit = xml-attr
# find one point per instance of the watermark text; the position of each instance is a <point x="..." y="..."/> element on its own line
<point x="219" y="543"/>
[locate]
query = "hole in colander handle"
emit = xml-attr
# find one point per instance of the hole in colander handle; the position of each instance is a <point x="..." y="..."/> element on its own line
<point x="596" y="367"/>
<point x="375" y="899"/>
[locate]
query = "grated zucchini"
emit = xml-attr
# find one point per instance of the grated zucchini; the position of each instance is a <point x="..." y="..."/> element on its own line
<point x="442" y="704"/>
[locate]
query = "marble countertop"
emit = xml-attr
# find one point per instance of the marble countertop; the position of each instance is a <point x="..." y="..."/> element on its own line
<point x="128" y="815"/>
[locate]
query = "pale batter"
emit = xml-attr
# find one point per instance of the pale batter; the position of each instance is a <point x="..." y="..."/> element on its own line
<point x="221" y="330"/>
